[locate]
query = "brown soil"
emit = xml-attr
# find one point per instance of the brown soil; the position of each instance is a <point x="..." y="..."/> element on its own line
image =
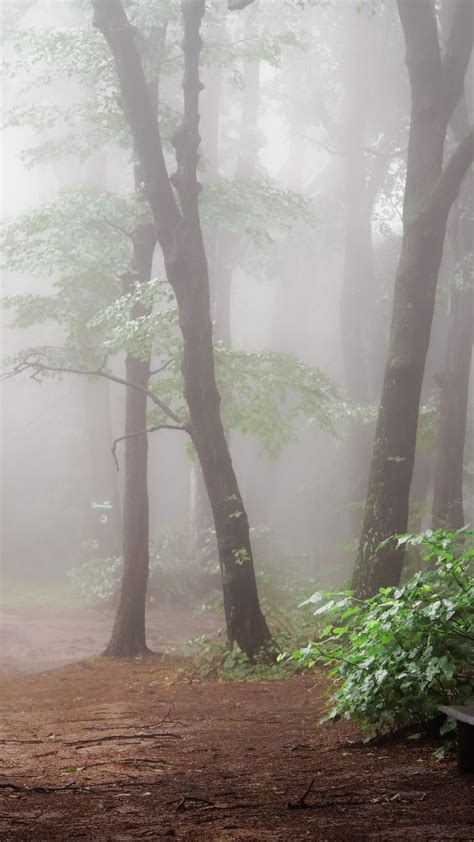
<point x="123" y="750"/>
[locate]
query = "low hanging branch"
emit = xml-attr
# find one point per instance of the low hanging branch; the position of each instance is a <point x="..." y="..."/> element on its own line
<point x="143" y="433"/>
<point x="36" y="367"/>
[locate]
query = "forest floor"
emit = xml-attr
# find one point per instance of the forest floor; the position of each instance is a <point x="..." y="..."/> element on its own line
<point x="106" y="749"/>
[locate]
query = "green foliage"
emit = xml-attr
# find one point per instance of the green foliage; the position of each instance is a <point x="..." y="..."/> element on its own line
<point x="214" y="658"/>
<point x="256" y="207"/>
<point x="97" y="580"/>
<point x="227" y="55"/>
<point x="399" y="655"/>
<point x="79" y="235"/>
<point x="267" y="391"/>
<point x="175" y="575"/>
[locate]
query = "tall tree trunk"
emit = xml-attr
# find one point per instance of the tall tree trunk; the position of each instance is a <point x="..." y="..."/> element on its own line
<point x="200" y="507"/>
<point x="128" y="635"/>
<point x="367" y="36"/>
<point x="453" y="382"/>
<point x="179" y="233"/>
<point x="436" y="87"/>
<point x="222" y="248"/>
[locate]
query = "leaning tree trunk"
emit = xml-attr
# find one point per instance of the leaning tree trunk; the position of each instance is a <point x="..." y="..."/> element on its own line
<point x="201" y="545"/>
<point x="128" y="635"/>
<point x="179" y="234"/>
<point x="223" y="247"/>
<point x="436" y="86"/>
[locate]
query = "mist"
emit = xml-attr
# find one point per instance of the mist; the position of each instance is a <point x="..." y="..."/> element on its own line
<point x="236" y="330"/>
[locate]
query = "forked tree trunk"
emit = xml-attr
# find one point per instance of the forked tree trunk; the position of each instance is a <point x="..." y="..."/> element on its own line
<point x="179" y="234"/>
<point x="128" y="635"/>
<point x="436" y="87"/>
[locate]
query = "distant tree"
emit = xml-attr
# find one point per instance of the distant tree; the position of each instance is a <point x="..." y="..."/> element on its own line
<point x="436" y="86"/>
<point x="453" y="380"/>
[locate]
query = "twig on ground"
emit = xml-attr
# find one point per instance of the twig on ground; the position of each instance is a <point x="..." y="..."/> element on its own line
<point x="112" y="737"/>
<point x="301" y="803"/>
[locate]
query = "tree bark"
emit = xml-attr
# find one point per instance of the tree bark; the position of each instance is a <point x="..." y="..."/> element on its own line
<point x="128" y="635"/>
<point x="436" y="87"/>
<point x="179" y="234"/>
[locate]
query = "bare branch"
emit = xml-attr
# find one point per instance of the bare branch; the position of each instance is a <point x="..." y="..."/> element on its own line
<point x="37" y="367"/>
<point x="377" y="153"/>
<point x="144" y="433"/>
<point x="161" y="368"/>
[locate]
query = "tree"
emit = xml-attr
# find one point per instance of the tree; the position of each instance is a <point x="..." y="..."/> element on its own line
<point x="453" y="381"/>
<point x="436" y="88"/>
<point x="128" y="635"/>
<point x="179" y="233"/>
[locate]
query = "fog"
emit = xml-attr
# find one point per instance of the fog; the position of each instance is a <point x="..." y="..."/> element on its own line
<point x="307" y="105"/>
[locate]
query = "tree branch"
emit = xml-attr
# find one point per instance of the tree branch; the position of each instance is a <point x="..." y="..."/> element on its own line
<point x="161" y="368"/>
<point x="186" y="138"/>
<point x="111" y="20"/>
<point x="238" y="5"/>
<point x="450" y="180"/>
<point x="143" y="433"/>
<point x="423" y="55"/>
<point x="37" y="367"/>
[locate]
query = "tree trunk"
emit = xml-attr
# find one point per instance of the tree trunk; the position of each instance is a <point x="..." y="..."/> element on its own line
<point x="200" y="514"/>
<point x="179" y="234"/>
<point x="436" y="87"/>
<point x="367" y="35"/>
<point x="453" y="382"/>
<point x="128" y="635"/>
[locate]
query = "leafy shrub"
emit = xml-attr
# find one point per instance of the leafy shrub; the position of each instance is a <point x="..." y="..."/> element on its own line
<point x="399" y="655"/>
<point x="175" y="576"/>
<point x="97" y="580"/>
<point x="215" y="658"/>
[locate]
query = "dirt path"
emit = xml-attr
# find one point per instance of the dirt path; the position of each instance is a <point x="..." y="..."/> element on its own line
<point x="125" y="750"/>
<point x="36" y="638"/>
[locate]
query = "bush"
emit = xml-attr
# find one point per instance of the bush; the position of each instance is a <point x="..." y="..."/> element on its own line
<point x="401" y="654"/>
<point x="175" y="577"/>
<point x="97" y="580"/>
